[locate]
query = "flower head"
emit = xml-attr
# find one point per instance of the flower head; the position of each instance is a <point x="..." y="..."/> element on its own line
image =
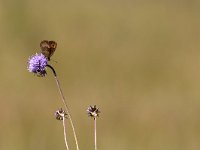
<point x="37" y="64"/>
<point x="60" y="114"/>
<point x="93" y="111"/>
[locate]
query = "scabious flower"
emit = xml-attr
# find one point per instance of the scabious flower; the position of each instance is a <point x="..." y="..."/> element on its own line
<point x="37" y="64"/>
<point x="93" y="111"/>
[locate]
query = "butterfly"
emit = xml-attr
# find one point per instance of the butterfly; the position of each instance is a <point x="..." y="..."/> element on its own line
<point x="48" y="48"/>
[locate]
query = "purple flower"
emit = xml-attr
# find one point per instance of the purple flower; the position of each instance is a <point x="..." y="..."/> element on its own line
<point x="37" y="64"/>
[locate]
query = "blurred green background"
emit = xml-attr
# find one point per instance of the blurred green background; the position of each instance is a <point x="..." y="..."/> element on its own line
<point x="137" y="60"/>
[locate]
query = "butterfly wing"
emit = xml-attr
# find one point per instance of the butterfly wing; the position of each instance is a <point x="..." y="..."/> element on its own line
<point x="48" y="48"/>
<point x="52" y="45"/>
<point x="44" y="45"/>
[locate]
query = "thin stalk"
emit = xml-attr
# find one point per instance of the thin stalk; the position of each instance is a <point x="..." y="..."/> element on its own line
<point x="67" y="110"/>
<point x="95" y="133"/>
<point x="65" y="137"/>
<point x="65" y="104"/>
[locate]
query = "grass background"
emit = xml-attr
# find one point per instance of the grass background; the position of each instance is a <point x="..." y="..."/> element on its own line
<point x="138" y="61"/>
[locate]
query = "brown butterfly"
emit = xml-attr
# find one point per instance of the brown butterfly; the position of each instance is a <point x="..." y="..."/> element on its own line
<point x="48" y="48"/>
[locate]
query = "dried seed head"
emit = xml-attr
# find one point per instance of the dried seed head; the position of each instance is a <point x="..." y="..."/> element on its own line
<point x="59" y="114"/>
<point x="93" y="111"/>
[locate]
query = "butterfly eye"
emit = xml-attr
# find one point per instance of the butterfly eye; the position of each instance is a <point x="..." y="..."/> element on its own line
<point x="53" y="45"/>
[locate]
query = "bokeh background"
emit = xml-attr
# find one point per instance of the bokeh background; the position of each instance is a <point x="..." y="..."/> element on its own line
<point x="137" y="60"/>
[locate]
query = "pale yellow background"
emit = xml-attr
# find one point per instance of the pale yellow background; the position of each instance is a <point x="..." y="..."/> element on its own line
<point x="138" y="60"/>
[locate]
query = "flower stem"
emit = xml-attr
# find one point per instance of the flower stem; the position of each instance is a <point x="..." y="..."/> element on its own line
<point x="67" y="110"/>
<point x="95" y="133"/>
<point x="65" y="104"/>
<point x="65" y="137"/>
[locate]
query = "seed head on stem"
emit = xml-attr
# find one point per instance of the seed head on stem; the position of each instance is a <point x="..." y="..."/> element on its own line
<point x="61" y="115"/>
<point x="93" y="112"/>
